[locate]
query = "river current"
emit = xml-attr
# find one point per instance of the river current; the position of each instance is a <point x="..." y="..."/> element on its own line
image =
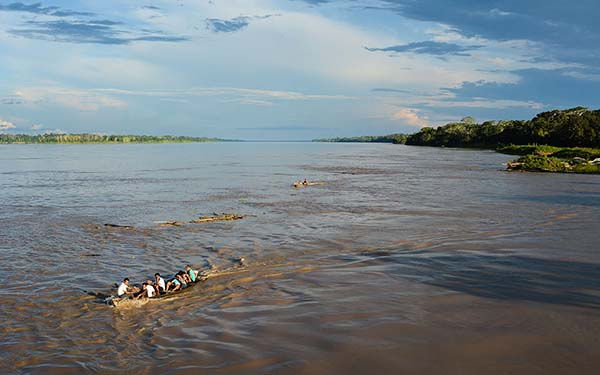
<point x="408" y="260"/>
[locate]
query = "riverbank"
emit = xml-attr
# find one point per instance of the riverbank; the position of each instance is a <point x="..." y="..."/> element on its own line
<point x="397" y="138"/>
<point x="570" y="135"/>
<point x="85" y="138"/>
<point x="544" y="158"/>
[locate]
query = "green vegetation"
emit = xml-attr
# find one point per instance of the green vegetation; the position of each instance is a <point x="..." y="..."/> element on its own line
<point x="97" y="138"/>
<point x="553" y="141"/>
<point x="390" y="138"/>
<point x="538" y="163"/>
<point x="575" y="127"/>
<point x="554" y="159"/>
<point x="544" y="150"/>
<point x="527" y="149"/>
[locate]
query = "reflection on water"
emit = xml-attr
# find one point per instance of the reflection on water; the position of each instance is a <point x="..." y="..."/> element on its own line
<point x="409" y="260"/>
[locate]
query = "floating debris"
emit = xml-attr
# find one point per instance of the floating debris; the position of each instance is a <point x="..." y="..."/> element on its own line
<point x="217" y="217"/>
<point x="307" y="183"/>
<point x="119" y="226"/>
<point x="241" y="261"/>
<point x="514" y="166"/>
<point x="171" y="223"/>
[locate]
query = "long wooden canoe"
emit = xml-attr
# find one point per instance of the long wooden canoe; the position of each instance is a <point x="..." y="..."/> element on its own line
<point x="132" y="301"/>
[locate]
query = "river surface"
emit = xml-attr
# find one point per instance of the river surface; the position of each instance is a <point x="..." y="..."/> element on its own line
<point x="409" y="260"/>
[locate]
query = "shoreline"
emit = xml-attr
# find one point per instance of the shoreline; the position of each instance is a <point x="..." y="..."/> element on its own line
<point x="86" y="138"/>
<point x="543" y="158"/>
<point x="109" y="143"/>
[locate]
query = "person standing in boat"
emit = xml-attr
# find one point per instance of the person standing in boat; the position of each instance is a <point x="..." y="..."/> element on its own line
<point x="160" y="283"/>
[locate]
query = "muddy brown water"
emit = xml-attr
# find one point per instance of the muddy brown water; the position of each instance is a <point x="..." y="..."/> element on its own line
<point x="407" y="261"/>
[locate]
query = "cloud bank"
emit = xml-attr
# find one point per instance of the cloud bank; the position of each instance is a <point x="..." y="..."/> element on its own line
<point x="5" y="124"/>
<point x="429" y="48"/>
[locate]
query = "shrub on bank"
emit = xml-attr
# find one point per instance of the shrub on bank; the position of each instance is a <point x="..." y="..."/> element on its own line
<point x="565" y="160"/>
<point x="542" y="163"/>
<point x="528" y="149"/>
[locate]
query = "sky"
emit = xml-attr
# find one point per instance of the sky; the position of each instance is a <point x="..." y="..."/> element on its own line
<point x="290" y="69"/>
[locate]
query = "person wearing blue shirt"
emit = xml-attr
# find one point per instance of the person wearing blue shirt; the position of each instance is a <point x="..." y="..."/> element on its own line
<point x="193" y="274"/>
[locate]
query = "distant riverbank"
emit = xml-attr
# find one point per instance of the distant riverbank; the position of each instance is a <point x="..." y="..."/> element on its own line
<point x="99" y="139"/>
<point x="571" y="139"/>
<point x="397" y="138"/>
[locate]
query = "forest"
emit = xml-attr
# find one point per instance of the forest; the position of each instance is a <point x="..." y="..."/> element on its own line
<point x="397" y="138"/>
<point x="54" y="138"/>
<point x="575" y="127"/>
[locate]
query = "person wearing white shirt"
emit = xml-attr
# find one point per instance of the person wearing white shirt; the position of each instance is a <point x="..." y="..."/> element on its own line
<point x="147" y="290"/>
<point x="124" y="288"/>
<point x="150" y="291"/>
<point x="160" y="282"/>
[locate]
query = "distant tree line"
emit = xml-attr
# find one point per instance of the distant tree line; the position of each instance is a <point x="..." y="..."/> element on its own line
<point x="98" y="138"/>
<point x="390" y="138"/>
<point x="575" y="127"/>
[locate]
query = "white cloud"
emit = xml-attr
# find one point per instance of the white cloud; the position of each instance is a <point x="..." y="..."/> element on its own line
<point x="246" y="93"/>
<point x="411" y="117"/>
<point x="499" y="12"/>
<point x="274" y="94"/>
<point x="486" y="103"/>
<point x="262" y="103"/>
<point x="424" y="110"/>
<point x="328" y="53"/>
<point x="175" y="100"/>
<point x="36" y="127"/>
<point x="334" y="50"/>
<point x="447" y="99"/>
<point x="583" y="76"/>
<point x="80" y="99"/>
<point x="5" y="124"/>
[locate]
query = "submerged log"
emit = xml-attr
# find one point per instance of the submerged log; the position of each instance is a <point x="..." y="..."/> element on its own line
<point x="119" y="226"/>
<point x="222" y="217"/>
<point x="171" y="223"/>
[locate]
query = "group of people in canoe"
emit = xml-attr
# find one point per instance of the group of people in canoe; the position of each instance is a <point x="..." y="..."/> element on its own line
<point x="306" y="183"/>
<point x="153" y="289"/>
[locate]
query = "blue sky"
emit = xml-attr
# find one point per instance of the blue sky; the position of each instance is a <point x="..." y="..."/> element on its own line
<point x="290" y="69"/>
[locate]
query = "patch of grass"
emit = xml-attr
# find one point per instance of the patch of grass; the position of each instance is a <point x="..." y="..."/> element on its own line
<point x="586" y="168"/>
<point x="528" y="149"/>
<point x="544" y="158"/>
<point x="567" y="160"/>
<point x="558" y="152"/>
<point x="570" y="153"/>
<point x="543" y="164"/>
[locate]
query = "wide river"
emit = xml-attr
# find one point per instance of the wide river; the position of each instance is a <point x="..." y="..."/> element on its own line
<point x="409" y="260"/>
